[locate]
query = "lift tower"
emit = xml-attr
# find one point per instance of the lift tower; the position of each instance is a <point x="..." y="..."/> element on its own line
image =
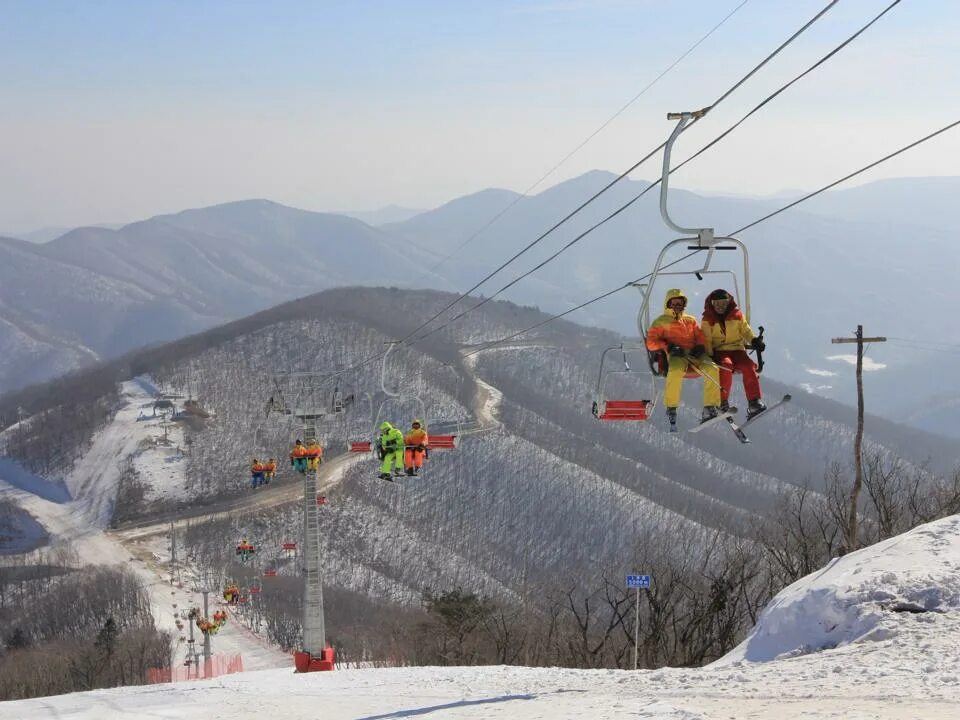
<point x="313" y="399"/>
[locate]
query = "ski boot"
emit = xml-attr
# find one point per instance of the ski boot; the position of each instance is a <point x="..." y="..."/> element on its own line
<point x="410" y="472"/>
<point x="724" y="406"/>
<point x="755" y="407"/>
<point x="386" y="476"/>
<point x="709" y="413"/>
<point x="672" y="417"/>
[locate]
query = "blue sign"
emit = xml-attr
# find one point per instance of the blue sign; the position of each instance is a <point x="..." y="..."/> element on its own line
<point x="638" y="581"/>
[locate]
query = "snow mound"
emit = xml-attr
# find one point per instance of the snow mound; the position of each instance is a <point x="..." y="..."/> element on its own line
<point x="864" y="596"/>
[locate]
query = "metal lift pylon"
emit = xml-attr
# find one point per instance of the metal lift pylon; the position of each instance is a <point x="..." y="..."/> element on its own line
<point x="310" y="408"/>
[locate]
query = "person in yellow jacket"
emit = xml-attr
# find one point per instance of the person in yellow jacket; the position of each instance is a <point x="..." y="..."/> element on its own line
<point x="391" y="450"/>
<point x="728" y="336"/>
<point x="314" y="455"/>
<point x="415" y="442"/>
<point x="679" y="337"/>
<point x="269" y="470"/>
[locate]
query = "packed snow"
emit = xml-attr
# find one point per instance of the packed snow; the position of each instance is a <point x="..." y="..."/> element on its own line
<point x="872" y="635"/>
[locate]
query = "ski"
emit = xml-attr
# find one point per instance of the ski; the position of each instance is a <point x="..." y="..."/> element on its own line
<point x="785" y="399"/>
<point x="738" y="431"/>
<point x="714" y="420"/>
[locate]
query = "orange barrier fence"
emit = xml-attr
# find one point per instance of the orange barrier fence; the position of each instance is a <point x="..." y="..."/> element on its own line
<point x="200" y="670"/>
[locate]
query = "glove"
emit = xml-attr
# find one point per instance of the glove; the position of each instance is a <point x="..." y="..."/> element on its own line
<point x="758" y="344"/>
<point x="383" y="453"/>
<point x="426" y="452"/>
<point x="292" y="463"/>
<point x="421" y="448"/>
<point x="698" y="351"/>
<point x="676" y="350"/>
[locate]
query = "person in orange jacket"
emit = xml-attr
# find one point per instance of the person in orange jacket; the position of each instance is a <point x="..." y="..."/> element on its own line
<point x="245" y="550"/>
<point x="415" y="444"/>
<point x="314" y="455"/>
<point x="256" y="473"/>
<point x="298" y="457"/>
<point x="728" y="336"/>
<point x="679" y="336"/>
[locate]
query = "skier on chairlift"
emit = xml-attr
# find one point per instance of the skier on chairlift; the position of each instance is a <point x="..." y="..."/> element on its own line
<point x="269" y="470"/>
<point x="298" y="456"/>
<point x="256" y="473"/>
<point x="391" y="451"/>
<point x="415" y="442"/>
<point x="314" y="455"/>
<point x="728" y="335"/>
<point x="245" y="550"/>
<point x="679" y="336"/>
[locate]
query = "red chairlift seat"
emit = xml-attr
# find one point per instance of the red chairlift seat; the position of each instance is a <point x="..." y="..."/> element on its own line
<point x="621" y="410"/>
<point x="443" y="442"/>
<point x="254" y="589"/>
<point x="360" y="446"/>
<point x="289" y="546"/>
<point x="270" y="572"/>
<point x="612" y="410"/>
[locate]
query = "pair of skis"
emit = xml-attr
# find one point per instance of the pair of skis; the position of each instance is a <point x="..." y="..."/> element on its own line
<point x="738" y="429"/>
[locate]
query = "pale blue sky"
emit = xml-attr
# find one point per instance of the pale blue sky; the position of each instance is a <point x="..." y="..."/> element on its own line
<point x="117" y="110"/>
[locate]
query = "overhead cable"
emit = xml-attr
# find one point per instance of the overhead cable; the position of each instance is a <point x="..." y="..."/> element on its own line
<point x="590" y="137"/>
<point x="620" y="177"/>
<point x="702" y="150"/>
<point x="848" y="176"/>
<point x="735" y="233"/>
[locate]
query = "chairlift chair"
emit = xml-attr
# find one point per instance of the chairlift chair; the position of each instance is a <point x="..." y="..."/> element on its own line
<point x="443" y="441"/>
<point x="698" y="240"/>
<point x="606" y="409"/>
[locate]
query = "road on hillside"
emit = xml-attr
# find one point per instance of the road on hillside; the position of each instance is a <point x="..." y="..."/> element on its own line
<point x="329" y="475"/>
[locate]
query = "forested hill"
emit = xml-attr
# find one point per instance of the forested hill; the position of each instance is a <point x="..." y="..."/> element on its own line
<point x="546" y="378"/>
<point x="544" y="493"/>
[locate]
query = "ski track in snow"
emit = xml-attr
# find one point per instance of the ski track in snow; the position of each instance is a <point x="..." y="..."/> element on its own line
<point x="80" y="524"/>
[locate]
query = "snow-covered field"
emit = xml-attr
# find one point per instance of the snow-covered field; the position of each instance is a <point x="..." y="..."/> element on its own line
<point x="889" y="616"/>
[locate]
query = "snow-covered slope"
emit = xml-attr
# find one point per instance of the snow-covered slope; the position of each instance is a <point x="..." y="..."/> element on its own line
<point x="132" y="440"/>
<point x="909" y="670"/>
<point x="907" y="582"/>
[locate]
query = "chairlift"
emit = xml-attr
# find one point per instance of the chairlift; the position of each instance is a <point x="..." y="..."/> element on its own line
<point x="439" y="441"/>
<point x="698" y="240"/>
<point x="632" y="409"/>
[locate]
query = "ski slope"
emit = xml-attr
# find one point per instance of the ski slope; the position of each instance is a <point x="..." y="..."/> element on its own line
<point x="876" y="634"/>
<point x="79" y="523"/>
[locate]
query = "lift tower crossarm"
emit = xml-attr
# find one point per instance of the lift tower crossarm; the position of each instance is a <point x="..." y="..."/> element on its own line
<point x="704" y="235"/>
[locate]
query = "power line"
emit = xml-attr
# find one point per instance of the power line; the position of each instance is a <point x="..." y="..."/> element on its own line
<point x="590" y="137"/>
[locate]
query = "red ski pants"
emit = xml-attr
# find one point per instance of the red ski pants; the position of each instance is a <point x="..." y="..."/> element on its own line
<point x="737" y="361"/>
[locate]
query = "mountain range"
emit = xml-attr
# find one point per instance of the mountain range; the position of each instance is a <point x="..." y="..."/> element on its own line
<point x="876" y="255"/>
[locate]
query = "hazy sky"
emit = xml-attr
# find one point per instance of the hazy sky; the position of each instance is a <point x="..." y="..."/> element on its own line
<point x="115" y="110"/>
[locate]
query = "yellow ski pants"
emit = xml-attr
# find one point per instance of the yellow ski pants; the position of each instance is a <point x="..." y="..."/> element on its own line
<point x="678" y="368"/>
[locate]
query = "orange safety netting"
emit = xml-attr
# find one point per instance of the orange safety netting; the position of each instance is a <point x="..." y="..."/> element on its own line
<point x="214" y="667"/>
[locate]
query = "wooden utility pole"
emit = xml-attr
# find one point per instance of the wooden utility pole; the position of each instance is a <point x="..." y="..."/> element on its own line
<point x="859" y="339"/>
